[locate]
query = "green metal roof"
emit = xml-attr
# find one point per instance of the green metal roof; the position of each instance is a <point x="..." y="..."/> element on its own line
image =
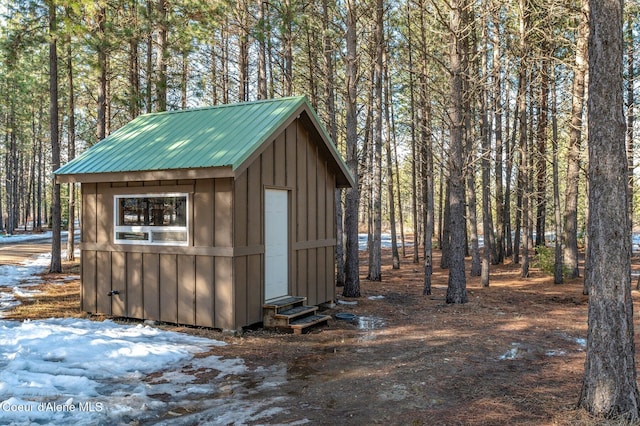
<point x="217" y="136"/>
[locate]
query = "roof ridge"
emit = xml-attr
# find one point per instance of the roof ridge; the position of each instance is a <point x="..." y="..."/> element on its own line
<point x="222" y="106"/>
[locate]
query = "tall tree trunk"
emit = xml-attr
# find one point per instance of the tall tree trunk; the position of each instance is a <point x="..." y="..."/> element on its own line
<point x="414" y="153"/>
<point x="214" y="46"/>
<point x="427" y="188"/>
<point x="40" y="195"/>
<point x="312" y="60"/>
<point x="570" y="224"/>
<point x="414" y="183"/>
<point x="352" y="197"/>
<point x="11" y="167"/>
<point x="56" y="255"/>
<point x="558" y="270"/>
<point x="243" y="55"/>
<point x="329" y="96"/>
<point x="31" y="201"/>
<point x="470" y="137"/>
<point x="162" y="56"/>
<point x="521" y="201"/>
<point x="375" y="257"/>
<point x="184" y="78"/>
<point x="445" y="215"/>
<point x="102" y="69"/>
<point x="397" y="175"/>
<point x="496" y="76"/>
<point x="541" y="154"/>
<point x="149" y="64"/>
<point x="388" y="102"/>
<point x="368" y="153"/>
<point x="287" y="47"/>
<point x="391" y="135"/>
<point x="528" y="211"/>
<point x="525" y="169"/>
<point x="509" y="150"/>
<point x="107" y="101"/>
<point x="457" y="284"/>
<point x="262" y="47"/>
<point x="226" y="85"/>
<point x="134" y="63"/>
<point x="471" y="204"/>
<point x="22" y="190"/>
<point x="71" y="132"/>
<point x="609" y="388"/>
<point x="485" y="163"/>
<point x="630" y="116"/>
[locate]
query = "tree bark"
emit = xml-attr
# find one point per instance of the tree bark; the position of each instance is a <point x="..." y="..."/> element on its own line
<point x="470" y="136"/>
<point x="558" y="270"/>
<point x="149" y="64"/>
<point x="243" y="51"/>
<point x="541" y="154"/>
<point x="414" y="153"/>
<point x="457" y="285"/>
<point x="427" y="189"/>
<point x="630" y="117"/>
<point x="496" y="75"/>
<point x="71" y="132"/>
<point x="609" y="387"/>
<point x="509" y="150"/>
<point x="570" y="217"/>
<point x="102" y="69"/>
<point x="471" y="203"/>
<point x="56" y="255"/>
<point x="134" y="63"/>
<point x="485" y="163"/>
<point x="11" y="167"/>
<point x="329" y="95"/>
<point x="520" y="118"/>
<point x="352" y="196"/>
<point x="287" y="46"/>
<point x="39" y="189"/>
<point x="262" y="47"/>
<point x="445" y="214"/>
<point x="162" y="56"/>
<point x="395" y="255"/>
<point x="375" y="255"/>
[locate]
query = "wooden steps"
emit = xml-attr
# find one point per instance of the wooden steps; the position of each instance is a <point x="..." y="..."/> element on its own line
<point x="291" y="313"/>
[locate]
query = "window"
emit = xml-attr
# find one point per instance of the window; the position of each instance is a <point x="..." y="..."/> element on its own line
<point x="151" y="219"/>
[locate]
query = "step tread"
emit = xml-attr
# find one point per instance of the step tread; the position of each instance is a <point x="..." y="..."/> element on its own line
<point x="296" y="311"/>
<point x="278" y="303"/>
<point x="309" y="321"/>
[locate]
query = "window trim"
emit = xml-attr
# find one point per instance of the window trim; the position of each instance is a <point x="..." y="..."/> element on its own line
<point x="150" y="229"/>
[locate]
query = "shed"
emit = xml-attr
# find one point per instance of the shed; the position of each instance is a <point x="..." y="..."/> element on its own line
<point x="200" y="216"/>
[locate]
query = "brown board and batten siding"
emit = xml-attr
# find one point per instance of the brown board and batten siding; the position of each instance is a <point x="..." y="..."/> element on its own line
<point x="291" y="163"/>
<point x="185" y="285"/>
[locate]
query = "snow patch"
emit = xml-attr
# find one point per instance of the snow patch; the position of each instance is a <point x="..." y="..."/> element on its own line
<point x="87" y="372"/>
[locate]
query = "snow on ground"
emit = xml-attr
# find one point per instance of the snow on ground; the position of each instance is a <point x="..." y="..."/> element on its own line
<point x="83" y="372"/>
<point x="72" y="370"/>
<point x="64" y="371"/>
<point x="10" y="239"/>
<point x="15" y="280"/>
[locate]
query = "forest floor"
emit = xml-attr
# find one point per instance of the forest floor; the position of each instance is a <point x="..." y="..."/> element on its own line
<point x="514" y="354"/>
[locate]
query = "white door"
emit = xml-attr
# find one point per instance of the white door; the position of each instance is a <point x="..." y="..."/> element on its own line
<point x="276" y="243"/>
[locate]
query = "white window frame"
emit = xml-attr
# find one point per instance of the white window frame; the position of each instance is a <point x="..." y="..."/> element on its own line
<point x="150" y="229"/>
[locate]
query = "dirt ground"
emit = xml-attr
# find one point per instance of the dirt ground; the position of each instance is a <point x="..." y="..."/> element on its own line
<point x="513" y="355"/>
